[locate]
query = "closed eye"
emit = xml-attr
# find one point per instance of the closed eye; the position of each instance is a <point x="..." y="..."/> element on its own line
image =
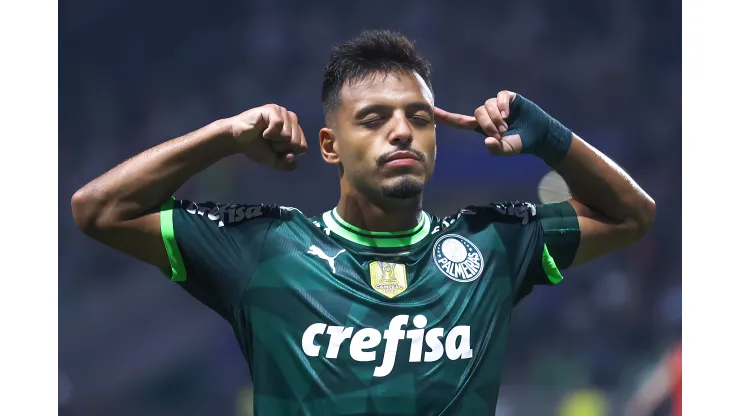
<point x="375" y="122"/>
<point x="378" y="121"/>
<point x="421" y="120"/>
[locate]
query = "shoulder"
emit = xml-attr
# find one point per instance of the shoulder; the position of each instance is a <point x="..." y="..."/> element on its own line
<point x="507" y="212"/>
<point x="504" y="225"/>
<point x="226" y="214"/>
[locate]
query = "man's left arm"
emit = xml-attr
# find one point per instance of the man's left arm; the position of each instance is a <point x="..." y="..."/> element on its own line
<point x="613" y="211"/>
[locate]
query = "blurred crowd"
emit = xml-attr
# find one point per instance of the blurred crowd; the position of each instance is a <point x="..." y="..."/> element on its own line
<point x="133" y="74"/>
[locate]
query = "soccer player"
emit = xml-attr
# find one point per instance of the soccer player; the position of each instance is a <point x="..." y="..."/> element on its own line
<point x="374" y="306"/>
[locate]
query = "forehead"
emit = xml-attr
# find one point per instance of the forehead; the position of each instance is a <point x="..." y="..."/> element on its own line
<point x="389" y="88"/>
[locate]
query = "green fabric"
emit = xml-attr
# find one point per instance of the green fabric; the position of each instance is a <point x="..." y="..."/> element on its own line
<point x="373" y="238"/>
<point x="562" y="232"/>
<point x="177" y="270"/>
<point x="334" y="321"/>
<point x="551" y="269"/>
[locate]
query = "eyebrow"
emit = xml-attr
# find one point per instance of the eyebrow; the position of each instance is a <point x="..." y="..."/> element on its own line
<point x="375" y="108"/>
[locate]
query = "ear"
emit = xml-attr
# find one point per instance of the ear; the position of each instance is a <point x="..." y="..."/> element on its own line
<point x="329" y="146"/>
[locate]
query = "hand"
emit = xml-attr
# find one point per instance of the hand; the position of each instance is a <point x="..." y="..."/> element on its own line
<point x="269" y="135"/>
<point x="491" y="119"/>
<point x="514" y="125"/>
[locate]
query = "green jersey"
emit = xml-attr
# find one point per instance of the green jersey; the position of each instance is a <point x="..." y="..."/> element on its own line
<point x="334" y="319"/>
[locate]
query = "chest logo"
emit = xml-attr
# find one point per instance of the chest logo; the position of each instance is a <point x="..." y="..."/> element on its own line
<point x="458" y="258"/>
<point x="388" y="278"/>
<point x="320" y="254"/>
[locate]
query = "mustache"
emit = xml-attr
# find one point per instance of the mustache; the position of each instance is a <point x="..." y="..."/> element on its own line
<point x="384" y="157"/>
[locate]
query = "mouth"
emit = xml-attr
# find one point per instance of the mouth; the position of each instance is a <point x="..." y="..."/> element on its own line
<point x="402" y="158"/>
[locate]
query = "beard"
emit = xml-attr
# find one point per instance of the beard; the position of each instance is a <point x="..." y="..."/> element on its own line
<point x="404" y="188"/>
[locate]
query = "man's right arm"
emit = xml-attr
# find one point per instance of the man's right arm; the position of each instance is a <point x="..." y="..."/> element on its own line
<point x="121" y="207"/>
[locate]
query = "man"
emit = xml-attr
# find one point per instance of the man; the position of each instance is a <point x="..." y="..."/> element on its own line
<point x="375" y="306"/>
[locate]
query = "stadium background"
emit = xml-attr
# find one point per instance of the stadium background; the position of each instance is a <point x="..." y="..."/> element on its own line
<point x="135" y="73"/>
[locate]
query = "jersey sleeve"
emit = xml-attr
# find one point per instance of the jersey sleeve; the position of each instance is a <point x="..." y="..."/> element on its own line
<point x="541" y="240"/>
<point x="214" y="248"/>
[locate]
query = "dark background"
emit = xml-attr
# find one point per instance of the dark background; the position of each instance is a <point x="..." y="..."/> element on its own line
<point x="133" y="74"/>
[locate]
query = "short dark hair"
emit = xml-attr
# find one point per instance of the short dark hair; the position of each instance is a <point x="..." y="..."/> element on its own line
<point x="372" y="52"/>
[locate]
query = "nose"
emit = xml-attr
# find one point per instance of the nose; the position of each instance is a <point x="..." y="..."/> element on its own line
<point x="401" y="133"/>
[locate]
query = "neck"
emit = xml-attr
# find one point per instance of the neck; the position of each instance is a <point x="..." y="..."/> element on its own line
<point x="384" y="215"/>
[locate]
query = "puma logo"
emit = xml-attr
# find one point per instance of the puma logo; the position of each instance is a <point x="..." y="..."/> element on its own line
<point x="320" y="254"/>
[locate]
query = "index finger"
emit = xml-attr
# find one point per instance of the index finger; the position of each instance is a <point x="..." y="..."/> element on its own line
<point x="455" y="120"/>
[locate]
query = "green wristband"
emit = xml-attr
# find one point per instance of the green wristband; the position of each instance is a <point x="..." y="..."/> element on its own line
<point x="541" y="134"/>
<point x="556" y="143"/>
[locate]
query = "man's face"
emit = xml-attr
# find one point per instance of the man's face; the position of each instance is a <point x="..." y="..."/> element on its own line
<point x="384" y="135"/>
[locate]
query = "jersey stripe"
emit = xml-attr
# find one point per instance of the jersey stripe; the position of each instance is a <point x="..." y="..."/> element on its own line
<point x="167" y="227"/>
<point x="551" y="269"/>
